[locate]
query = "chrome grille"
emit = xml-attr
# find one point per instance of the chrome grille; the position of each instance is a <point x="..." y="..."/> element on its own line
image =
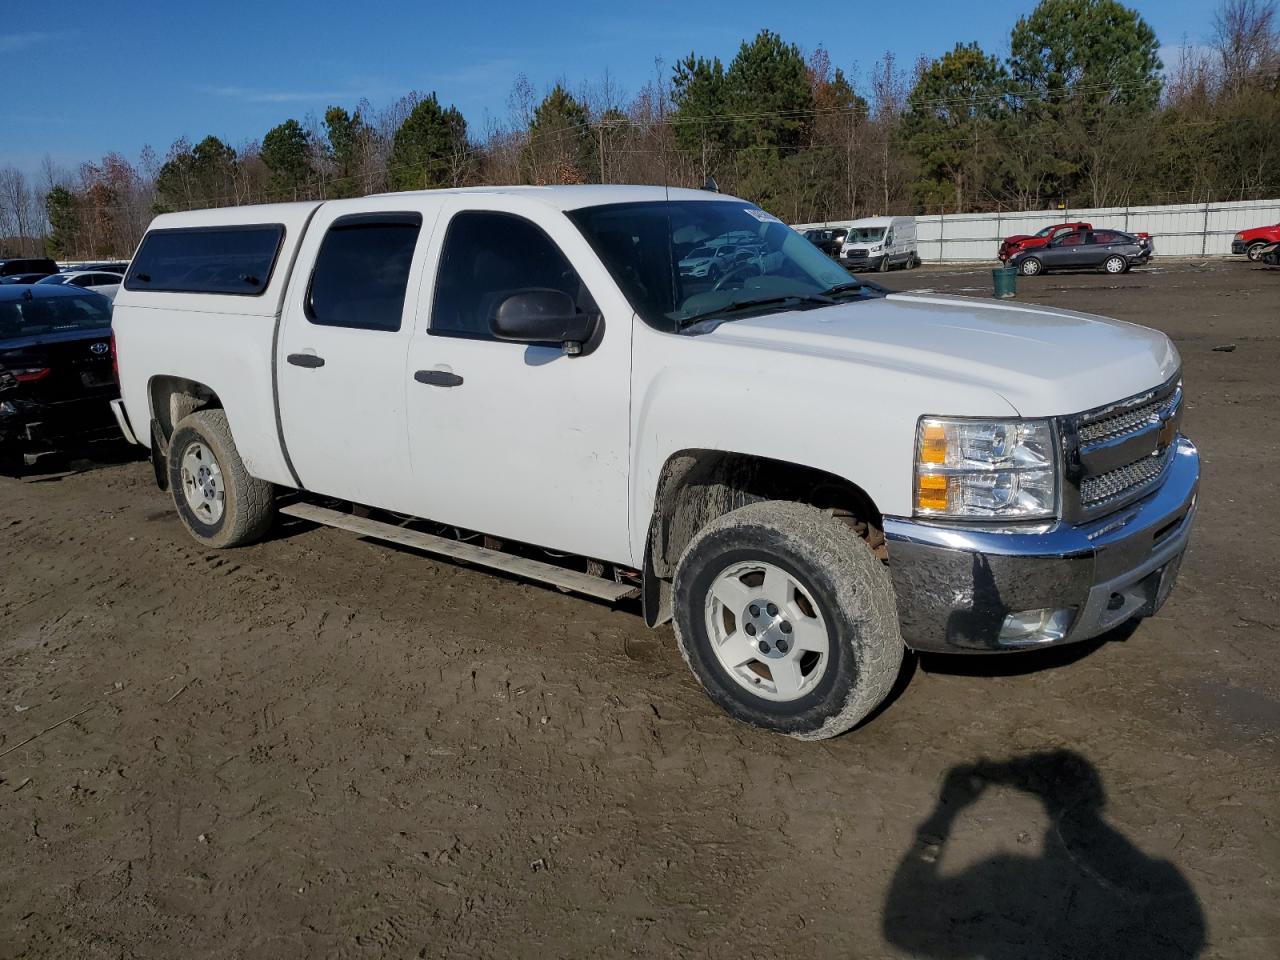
<point x="1117" y="453"/>
<point x="1120" y="424"/>
<point x="1128" y="480"/>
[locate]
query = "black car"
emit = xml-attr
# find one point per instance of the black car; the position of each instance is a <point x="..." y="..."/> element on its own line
<point x="25" y="277"/>
<point x="1270" y="255"/>
<point x="829" y="241"/>
<point x="56" y="370"/>
<point x="41" y="265"/>
<point x="105" y="266"/>
<point x="1108" y="250"/>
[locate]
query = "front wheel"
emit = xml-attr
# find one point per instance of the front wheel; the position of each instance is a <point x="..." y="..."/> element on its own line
<point x="1254" y="252"/>
<point x="217" y="500"/>
<point x="787" y="619"/>
<point x="1115" y="265"/>
<point x="883" y="266"/>
<point x="1030" y="267"/>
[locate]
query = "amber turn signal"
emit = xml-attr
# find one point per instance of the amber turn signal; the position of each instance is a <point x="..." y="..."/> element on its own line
<point x="931" y="491"/>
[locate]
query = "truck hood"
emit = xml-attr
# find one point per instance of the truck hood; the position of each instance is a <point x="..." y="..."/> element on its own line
<point x="1042" y="361"/>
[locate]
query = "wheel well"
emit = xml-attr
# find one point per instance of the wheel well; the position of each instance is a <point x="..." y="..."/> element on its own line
<point x="697" y="486"/>
<point x="173" y="398"/>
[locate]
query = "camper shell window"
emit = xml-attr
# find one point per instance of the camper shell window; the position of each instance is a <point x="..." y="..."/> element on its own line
<point x="235" y="260"/>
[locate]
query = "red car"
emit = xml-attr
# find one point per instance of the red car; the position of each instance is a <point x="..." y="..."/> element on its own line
<point x="1025" y="241"/>
<point x="1251" y="242"/>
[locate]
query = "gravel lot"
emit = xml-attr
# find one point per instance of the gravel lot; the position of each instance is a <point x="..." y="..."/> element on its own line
<point x="324" y="747"/>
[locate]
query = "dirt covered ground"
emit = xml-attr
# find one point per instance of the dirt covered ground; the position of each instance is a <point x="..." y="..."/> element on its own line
<point x="323" y="747"/>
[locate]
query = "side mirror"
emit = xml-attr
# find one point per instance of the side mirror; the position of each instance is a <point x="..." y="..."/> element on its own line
<point x="543" y="316"/>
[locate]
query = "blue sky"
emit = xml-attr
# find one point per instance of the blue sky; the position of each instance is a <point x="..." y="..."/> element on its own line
<point x="81" y="83"/>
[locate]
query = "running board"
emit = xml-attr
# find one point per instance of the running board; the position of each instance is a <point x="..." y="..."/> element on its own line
<point x="570" y="580"/>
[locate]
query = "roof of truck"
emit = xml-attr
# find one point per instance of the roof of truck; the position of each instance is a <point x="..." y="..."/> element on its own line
<point x="559" y="197"/>
<point x="572" y="197"/>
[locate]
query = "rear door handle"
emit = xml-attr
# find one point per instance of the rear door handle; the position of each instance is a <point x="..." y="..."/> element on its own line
<point x="305" y="360"/>
<point x="438" y="378"/>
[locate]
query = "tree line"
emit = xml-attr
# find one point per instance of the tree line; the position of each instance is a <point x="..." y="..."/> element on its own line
<point x="1082" y="112"/>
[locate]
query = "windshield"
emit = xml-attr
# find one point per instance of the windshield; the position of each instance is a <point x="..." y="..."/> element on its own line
<point x="44" y="315"/>
<point x="757" y="257"/>
<point x="865" y="235"/>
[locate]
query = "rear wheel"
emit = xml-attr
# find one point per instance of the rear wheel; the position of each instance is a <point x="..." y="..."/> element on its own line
<point x="1254" y="251"/>
<point x="1115" y="265"/>
<point x="787" y="619"/>
<point x="1030" y="267"/>
<point x="219" y="503"/>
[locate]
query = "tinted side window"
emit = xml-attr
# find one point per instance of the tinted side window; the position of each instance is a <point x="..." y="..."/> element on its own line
<point x="1107" y="236"/>
<point x="489" y="256"/>
<point x="234" y="260"/>
<point x="362" y="271"/>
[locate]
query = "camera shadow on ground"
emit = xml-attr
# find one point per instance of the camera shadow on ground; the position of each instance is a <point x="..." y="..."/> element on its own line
<point x="1088" y="892"/>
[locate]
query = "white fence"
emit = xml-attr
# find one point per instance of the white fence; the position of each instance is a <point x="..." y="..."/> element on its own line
<point x="1180" y="230"/>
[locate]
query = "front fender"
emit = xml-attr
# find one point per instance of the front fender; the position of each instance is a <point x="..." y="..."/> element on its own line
<point x="854" y="420"/>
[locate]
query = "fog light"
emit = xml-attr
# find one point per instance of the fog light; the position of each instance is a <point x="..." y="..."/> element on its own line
<point x="1036" y="626"/>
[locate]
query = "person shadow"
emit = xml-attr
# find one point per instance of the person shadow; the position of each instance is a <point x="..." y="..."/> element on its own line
<point x="1089" y="893"/>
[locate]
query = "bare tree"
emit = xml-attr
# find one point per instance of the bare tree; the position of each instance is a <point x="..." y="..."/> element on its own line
<point x="1246" y="37"/>
<point x="19" y="216"/>
<point x="888" y="99"/>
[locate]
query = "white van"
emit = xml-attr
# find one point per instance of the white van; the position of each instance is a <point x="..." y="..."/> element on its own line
<point x="878" y="243"/>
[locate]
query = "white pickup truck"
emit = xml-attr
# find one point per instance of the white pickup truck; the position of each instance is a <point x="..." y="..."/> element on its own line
<point x="807" y="474"/>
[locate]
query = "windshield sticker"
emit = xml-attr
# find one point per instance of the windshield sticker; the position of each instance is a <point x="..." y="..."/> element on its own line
<point x="760" y="215"/>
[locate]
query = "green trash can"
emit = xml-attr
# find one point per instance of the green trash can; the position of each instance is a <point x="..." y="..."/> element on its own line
<point x="1005" y="281"/>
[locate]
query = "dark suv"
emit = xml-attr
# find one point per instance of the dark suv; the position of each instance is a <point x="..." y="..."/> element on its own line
<point x="829" y="241"/>
<point x="42" y="265"/>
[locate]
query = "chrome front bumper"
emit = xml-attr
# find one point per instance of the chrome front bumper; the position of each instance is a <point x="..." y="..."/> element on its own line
<point x="956" y="583"/>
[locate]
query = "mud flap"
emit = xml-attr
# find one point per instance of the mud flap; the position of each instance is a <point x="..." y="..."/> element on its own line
<point x="159" y="455"/>
<point x="655" y="593"/>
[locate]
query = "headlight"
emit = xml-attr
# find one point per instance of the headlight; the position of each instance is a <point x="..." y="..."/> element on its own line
<point x="985" y="469"/>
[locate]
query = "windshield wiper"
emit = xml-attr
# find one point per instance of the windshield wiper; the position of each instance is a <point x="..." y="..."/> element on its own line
<point x="849" y="286"/>
<point x="724" y="312"/>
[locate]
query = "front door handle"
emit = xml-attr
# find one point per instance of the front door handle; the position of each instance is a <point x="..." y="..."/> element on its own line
<point x="305" y="360"/>
<point x="438" y="378"/>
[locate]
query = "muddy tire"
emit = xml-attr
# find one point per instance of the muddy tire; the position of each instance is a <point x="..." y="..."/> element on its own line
<point x="219" y="503"/>
<point x="787" y="619"/>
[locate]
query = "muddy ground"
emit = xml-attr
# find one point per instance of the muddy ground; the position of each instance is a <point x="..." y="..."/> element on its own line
<point x="323" y="747"/>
